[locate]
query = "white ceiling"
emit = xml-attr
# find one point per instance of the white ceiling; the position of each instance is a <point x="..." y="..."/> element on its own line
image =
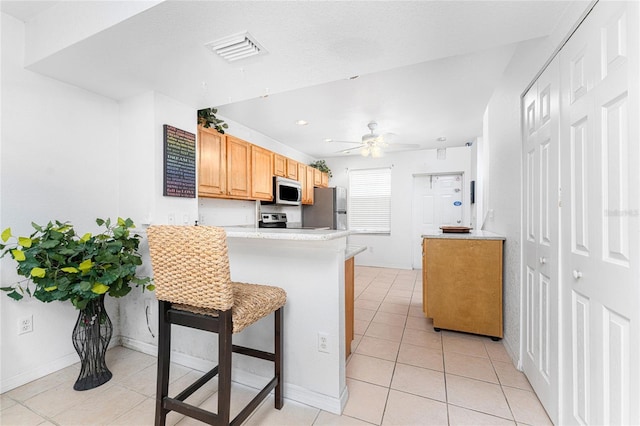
<point x="427" y="68"/>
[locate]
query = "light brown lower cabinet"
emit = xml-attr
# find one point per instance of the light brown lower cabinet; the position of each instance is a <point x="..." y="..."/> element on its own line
<point x="462" y="284"/>
<point x="349" y="281"/>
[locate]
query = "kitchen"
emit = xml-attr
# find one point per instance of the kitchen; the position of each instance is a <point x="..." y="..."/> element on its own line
<point x="81" y="122"/>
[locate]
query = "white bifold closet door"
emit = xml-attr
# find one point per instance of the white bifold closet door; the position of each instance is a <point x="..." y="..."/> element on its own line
<point x="540" y="307"/>
<point x="600" y="225"/>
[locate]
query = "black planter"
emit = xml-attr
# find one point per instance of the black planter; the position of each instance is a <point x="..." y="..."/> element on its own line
<point x="91" y="336"/>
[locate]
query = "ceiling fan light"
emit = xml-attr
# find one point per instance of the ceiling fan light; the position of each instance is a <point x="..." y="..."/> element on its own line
<point x="376" y="152"/>
<point x="364" y="151"/>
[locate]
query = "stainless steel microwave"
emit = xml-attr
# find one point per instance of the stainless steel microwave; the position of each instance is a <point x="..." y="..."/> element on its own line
<point x="286" y="192"/>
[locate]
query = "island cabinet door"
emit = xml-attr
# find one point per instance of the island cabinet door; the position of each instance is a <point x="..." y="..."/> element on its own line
<point x="238" y="167"/>
<point x="349" y="283"/>
<point x="261" y="172"/>
<point x="212" y="165"/>
<point x="464" y="285"/>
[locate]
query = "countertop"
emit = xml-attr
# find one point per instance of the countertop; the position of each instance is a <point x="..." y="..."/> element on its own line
<point x="284" y="233"/>
<point x="351" y="251"/>
<point x="472" y="235"/>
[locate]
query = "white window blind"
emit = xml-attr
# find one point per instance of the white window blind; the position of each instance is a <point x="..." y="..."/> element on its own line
<point x="370" y="201"/>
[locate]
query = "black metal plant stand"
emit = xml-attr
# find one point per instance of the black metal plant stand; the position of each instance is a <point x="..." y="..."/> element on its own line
<point x="91" y="336"/>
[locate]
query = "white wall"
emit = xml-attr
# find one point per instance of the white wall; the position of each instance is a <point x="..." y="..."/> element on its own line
<point x="59" y="161"/>
<point x="394" y="250"/>
<point x="502" y="171"/>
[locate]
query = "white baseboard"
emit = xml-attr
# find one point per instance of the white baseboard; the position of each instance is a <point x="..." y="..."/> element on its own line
<point x="292" y="392"/>
<point x="45" y="369"/>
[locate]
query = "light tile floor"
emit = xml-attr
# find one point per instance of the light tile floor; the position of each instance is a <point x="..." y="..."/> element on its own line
<point x="401" y="372"/>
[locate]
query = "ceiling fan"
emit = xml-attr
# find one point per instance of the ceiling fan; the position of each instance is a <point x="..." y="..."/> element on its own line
<point x="372" y="144"/>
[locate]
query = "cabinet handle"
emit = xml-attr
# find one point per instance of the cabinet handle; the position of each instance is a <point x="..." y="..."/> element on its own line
<point x="577" y="274"/>
<point x="543" y="260"/>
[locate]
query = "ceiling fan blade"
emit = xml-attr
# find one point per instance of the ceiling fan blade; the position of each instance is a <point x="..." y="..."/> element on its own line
<point x="354" y="142"/>
<point x="349" y="150"/>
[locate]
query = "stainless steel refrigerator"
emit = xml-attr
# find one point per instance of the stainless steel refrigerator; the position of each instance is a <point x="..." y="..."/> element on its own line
<point x="329" y="209"/>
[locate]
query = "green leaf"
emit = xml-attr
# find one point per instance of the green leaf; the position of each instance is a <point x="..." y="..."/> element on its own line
<point x="100" y="222"/>
<point x="86" y="237"/>
<point x="99" y="288"/>
<point x="24" y="242"/>
<point x="38" y="273"/>
<point x="49" y="244"/>
<point x="151" y="287"/>
<point x="70" y="270"/>
<point x="36" y="226"/>
<point x="85" y="286"/>
<point x="48" y="289"/>
<point x="121" y="222"/>
<point x="6" y="234"/>
<point x="15" y="295"/>
<point x="86" y="265"/>
<point x="18" y="255"/>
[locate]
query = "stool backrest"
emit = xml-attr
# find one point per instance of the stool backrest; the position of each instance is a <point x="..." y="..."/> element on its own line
<point x="191" y="265"/>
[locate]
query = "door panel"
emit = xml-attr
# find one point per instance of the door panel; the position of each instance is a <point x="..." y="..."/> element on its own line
<point x="601" y="260"/>
<point x="540" y="255"/>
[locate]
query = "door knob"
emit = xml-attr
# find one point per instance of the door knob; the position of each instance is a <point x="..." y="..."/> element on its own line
<point x="543" y="260"/>
<point x="577" y="274"/>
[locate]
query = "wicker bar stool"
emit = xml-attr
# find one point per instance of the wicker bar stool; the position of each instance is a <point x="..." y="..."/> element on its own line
<point x="194" y="289"/>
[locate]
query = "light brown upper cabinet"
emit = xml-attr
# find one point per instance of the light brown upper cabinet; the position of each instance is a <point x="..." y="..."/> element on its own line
<point x="279" y="165"/>
<point x="317" y="177"/>
<point x="325" y="180"/>
<point x="239" y="167"/>
<point x="212" y="165"/>
<point x="292" y="169"/>
<point x="307" y="188"/>
<point x="261" y="173"/>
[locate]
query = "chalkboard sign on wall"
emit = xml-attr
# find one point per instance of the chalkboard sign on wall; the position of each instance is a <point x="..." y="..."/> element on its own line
<point x="179" y="163"/>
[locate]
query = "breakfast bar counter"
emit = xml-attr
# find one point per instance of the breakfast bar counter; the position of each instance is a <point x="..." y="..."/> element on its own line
<point x="310" y="266"/>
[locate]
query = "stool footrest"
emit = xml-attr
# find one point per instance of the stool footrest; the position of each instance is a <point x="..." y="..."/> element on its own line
<point x="197" y="384"/>
<point x="256" y="353"/>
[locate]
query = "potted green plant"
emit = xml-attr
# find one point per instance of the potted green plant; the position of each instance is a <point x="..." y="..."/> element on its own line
<point x="59" y="264"/>
<point x="207" y="118"/>
<point x="322" y="166"/>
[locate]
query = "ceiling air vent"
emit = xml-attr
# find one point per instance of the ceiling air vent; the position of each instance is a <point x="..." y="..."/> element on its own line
<point x="235" y="47"/>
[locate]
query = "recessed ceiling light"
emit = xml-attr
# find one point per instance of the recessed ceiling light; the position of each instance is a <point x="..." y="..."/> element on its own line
<point x="442" y="139"/>
<point x="353" y="77"/>
<point x="328" y="140"/>
<point x="302" y="122"/>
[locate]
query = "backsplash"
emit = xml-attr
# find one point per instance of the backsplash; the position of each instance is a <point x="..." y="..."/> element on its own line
<point x="222" y="212"/>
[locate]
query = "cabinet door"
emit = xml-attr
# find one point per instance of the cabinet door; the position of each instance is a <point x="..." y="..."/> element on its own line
<point x="317" y="177"/>
<point x="325" y="180"/>
<point x="238" y="167"/>
<point x="261" y="174"/>
<point x="292" y="169"/>
<point x="212" y="167"/>
<point x="349" y="292"/>
<point x="279" y="165"/>
<point x="308" y="188"/>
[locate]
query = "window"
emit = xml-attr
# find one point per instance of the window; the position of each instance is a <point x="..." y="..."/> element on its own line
<point x="370" y="201"/>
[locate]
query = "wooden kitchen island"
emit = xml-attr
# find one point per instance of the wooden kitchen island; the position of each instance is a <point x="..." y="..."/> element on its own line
<point x="462" y="282"/>
<point x="310" y="266"/>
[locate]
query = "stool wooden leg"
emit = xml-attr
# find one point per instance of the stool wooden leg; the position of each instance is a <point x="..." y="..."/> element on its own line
<point x="164" y="358"/>
<point x="224" y="366"/>
<point x="278" y="357"/>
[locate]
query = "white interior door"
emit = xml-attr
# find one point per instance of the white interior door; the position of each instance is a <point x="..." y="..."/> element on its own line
<point x="437" y="201"/>
<point x="540" y="306"/>
<point x="600" y="218"/>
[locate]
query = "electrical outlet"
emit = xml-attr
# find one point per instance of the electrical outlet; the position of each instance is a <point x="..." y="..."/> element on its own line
<point x="323" y="342"/>
<point x="185" y="218"/>
<point x="25" y="325"/>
